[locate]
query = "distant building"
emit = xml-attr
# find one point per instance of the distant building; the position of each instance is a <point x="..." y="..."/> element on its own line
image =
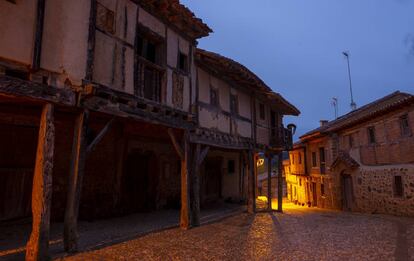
<point x="362" y="161"/>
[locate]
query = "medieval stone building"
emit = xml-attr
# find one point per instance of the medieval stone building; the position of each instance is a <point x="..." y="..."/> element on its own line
<point x="362" y="161"/>
<point x="108" y="108"/>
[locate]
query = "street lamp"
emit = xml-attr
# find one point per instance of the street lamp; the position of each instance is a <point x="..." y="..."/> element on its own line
<point x="353" y="104"/>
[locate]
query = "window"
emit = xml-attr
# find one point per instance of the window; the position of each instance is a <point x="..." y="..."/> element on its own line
<point x="314" y="164"/>
<point x="300" y="182"/>
<point x="105" y="19"/>
<point x="234" y="104"/>
<point x="148" y="49"/>
<point x="371" y="135"/>
<point x="182" y="62"/>
<point x="322" y="190"/>
<point x="300" y="158"/>
<point x="398" y="186"/>
<point x="322" y="160"/>
<point x="293" y="158"/>
<point x="405" y="126"/>
<point x="262" y="114"/>
<point x="214" y="99"/>
<point x="351" y="141"/>
<point x="231" y="167"/>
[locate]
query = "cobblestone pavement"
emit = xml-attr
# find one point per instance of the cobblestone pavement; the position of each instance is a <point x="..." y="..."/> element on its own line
<point x="298" y="234"/>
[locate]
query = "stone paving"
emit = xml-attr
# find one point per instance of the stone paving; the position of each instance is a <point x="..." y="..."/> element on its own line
<point x="299" y="234"/>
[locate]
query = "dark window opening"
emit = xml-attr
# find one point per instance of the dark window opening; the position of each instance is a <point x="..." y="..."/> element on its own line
<point x="322" y="160"/>
<point x="273" y="124"/>
<point x="234" y="104"/>
<point x="371" y="135"/>
<point x="322" y="190"/>
<point x="398" y="186"/>
<point x="300" y="182"/>
<point x="405" y="126"/>
<point x="231" y="167"/>
<point x="183" y="62"/>
<point x="300" y="158"/>
<point x="150" y="54"/>
<point x="314" y="164"/>
<point x="262" y="114"/>
<point x="214" y="99"/>
<point x="351" y="141"/>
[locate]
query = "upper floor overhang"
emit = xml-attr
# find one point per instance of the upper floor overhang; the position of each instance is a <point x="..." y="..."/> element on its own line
<point x="175" y="14"/>
<point x="237" y="74"/>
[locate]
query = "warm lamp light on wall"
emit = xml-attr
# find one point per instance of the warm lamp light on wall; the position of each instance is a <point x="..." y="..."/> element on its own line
<point x="260" y="162"/>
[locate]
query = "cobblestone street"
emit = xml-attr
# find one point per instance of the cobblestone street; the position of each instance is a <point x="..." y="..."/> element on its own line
<point x="298" y="234"/>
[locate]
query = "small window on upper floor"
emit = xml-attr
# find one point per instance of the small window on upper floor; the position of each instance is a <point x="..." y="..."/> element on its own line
<point x="105" y="19"/>
<point x="182" y="62"/>
<point x="262" y="113"/>
<point x="300" y="158"/>
<point x="405" y="126"/>
<point x="214" y="96"/>
<point x="371" y="135"/>
<point x="234" y="104"/>
<point x="314" y="160"/>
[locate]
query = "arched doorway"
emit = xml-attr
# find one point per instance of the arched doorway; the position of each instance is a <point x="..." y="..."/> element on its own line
<point x="347" y="191"/>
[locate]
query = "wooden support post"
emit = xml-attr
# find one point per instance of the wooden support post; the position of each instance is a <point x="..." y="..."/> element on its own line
<point x="100" y="136"/>
<point x="280" y="182"/>
<point x="198" y="159"/>
<point x="251" y="201"/>
<point x="38" y="246"/>
<point x="184" y="154"/>
<point x="70" y="233"/>
<point x="269" y="182"/>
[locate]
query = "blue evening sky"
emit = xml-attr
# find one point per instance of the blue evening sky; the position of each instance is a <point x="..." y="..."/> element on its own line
<point x="295" y="46"/>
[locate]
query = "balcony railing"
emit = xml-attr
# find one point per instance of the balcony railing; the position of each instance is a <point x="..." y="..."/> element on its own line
<point x="281" y="138"/>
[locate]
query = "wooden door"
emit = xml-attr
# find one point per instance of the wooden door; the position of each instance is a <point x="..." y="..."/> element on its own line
<point x="347" y="193"/>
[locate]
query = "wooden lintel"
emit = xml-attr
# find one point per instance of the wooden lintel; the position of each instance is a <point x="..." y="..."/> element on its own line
<point x="100" y="136"/>
<point x="38" y="245"/>
<point x="175" y="143"/>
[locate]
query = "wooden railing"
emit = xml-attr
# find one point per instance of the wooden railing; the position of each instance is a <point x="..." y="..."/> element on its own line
<point x="149" y="80"/>
<point x="281" y="138"/>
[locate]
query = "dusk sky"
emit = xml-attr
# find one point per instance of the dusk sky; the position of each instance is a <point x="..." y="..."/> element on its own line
<point x="296" y="47"/>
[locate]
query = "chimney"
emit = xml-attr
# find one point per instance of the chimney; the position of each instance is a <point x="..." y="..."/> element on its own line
<point x="323" y="122"/>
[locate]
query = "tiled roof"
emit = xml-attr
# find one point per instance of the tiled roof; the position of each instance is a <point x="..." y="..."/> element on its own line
<point x="366" y="112"/>
<point x="241" y="75"/>
<point x="177" y="14"/>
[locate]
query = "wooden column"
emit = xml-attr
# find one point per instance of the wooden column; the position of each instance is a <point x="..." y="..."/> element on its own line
<point x="198" y="159"/>
<point x="184" y="154"/>
<point x="251" y="201"/>
<point x="280" y="182"/>
<point x="269" y="182"/>
<point x="70" y="233"/>
<point x="38" y="246"/>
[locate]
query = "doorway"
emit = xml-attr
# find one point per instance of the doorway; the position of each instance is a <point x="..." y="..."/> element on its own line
<point x="212" y="180"/>
<point x="139" y="182"/>
<point x="347" y="192"/>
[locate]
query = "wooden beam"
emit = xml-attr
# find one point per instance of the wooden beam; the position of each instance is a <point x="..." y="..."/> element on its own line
<point x="269" y="182"/>
<point x="38" y="245"/>
<point x="202" y="155"/>
<point x="185" y="189"/>
<point x="251" y="200"/>
<point x="280" y="182"/>
<point x="100" y="136"/>
<point x="77" y="166"/>
<point x="177" y="146"/>
<point x="37" y="49"/>
<point x="91" y="41"/>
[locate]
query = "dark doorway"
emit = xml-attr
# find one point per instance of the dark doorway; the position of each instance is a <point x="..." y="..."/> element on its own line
<point x="139" y="182"/>
<point x="314" y="195"/>
<point x="211" y="187"/>
<point x="347" y="192"/>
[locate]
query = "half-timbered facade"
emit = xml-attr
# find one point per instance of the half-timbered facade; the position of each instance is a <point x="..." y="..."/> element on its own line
<point x="108" y="108"/>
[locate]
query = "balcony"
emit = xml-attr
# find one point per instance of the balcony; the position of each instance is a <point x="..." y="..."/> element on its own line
<point x="281" y="138"/>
